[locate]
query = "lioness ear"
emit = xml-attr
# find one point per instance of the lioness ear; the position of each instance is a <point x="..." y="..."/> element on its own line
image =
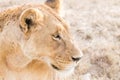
<point x="29" y="18"/>
<point x="54" y="4"/>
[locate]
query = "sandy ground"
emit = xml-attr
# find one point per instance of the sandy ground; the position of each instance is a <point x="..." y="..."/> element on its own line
<point x="95" y="26"/>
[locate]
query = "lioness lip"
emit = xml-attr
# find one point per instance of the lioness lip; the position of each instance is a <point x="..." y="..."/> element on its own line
<point x="55" y="67"/>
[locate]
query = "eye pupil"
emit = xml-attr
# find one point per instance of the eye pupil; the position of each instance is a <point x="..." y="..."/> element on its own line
<point x="58" y="37"/>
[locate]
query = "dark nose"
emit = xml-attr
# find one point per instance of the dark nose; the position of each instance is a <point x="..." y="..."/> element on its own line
<point x="76" y="59"/>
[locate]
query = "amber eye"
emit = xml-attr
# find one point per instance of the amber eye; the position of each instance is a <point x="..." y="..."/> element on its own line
<point x="56" y="37"/>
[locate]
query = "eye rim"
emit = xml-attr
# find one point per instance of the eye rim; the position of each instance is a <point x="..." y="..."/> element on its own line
<point x="56" y="37"/>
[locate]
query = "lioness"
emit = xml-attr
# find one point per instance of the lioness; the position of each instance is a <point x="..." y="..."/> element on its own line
<point x="35" y="43"/>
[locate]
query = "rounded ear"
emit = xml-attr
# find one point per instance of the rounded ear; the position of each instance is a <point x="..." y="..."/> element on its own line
<point x="29" y="18"/>
<point x="54" y="4"/>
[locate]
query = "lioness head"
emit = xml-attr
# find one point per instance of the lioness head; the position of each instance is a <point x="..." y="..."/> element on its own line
<point x="43" y="35"/>
<point x="48" y="38"/>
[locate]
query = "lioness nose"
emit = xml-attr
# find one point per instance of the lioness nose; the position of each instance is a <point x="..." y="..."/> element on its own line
<point x="76" y="59"/>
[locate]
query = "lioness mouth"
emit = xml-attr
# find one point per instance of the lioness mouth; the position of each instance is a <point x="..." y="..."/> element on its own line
<point x="55" y="67"/>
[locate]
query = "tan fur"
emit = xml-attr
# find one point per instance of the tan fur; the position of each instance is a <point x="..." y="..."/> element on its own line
<point x="27" y="54"/>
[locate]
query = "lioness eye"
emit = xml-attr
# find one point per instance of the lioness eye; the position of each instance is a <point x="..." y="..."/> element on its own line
<point x="56" y="37"/>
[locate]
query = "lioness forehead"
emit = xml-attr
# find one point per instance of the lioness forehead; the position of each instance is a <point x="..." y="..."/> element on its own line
<point x="61" y="23"/>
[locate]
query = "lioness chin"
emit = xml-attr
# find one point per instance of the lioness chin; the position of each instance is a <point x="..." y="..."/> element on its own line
<point x="35" y="43"/>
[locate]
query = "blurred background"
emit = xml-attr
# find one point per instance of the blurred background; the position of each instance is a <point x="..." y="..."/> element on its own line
<point x="95" y="26"/>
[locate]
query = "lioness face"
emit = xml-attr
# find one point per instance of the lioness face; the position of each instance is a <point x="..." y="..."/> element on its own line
<point x="47" y="38"/>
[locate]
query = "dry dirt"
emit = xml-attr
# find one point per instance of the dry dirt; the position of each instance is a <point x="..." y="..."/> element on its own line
<point x="95" y="26"/>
